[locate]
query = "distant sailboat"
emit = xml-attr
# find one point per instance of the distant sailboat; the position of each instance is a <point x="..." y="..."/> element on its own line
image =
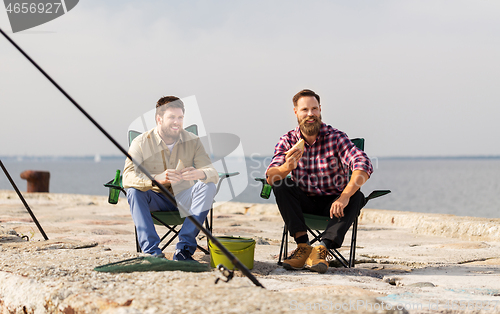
<point x="97" y="158"/>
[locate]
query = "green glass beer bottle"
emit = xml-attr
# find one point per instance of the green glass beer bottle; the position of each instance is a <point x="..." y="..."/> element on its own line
<point x="114" y="192"/>
<point x="266" y="191"/>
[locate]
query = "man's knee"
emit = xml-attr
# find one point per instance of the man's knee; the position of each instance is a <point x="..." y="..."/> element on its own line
<point x="133" y="193"/>
<point x="358" y="199"/>
<point x="211" y="188"/>
<point x="207" y="189"/>
<point x="137" y="200"/>
<point x="283" y="186"/>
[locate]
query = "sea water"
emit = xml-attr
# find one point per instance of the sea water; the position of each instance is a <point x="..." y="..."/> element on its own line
<point x="459" y="186"/>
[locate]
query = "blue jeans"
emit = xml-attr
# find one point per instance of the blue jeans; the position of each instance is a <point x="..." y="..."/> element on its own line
<point x="198" y="200"/>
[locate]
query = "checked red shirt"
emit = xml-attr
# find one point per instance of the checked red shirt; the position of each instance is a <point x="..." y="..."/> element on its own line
<point x="324" y="166"/>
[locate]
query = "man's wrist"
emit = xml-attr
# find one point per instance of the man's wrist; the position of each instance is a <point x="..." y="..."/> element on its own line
<point x="345" y="195"/>
<point x="204" y="175"/>
<point x="284" y="169"/>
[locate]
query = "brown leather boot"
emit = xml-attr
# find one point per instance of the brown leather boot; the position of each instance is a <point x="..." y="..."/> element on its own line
<point x="317" y="259"/>
<point x="298" y="258"/>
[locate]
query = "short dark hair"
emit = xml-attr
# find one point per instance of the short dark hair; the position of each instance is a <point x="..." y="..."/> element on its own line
<point x="168" y="102"/>
<point x="304" y="93"/>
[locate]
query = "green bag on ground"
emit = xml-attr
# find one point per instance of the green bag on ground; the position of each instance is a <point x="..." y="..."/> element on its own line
<point x="152" y="264"/>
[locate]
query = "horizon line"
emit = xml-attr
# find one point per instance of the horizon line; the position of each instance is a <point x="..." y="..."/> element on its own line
<point x="115" y="156"/>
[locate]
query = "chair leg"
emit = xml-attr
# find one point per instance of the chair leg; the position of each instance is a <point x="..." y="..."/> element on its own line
<point x="176" y="233"/>
<point x="165" y="236"/>
<point x="203" y="250"/>
<point x="209" y="225"/>
<point x="316" y="236"/>
<point x="339" y="257"/>
<point x="137" y="246"/>
<point x="211" y="218"/>
<point x="352" y="255"/>
<point x="175" y="236"/>
<point x="284" y="246"/>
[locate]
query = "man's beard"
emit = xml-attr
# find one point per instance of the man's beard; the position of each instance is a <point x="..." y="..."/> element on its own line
<point x="172" y="135"/>
<point x="310" y="128"/>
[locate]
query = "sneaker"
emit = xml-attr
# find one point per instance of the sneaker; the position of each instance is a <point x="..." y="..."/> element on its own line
<point x="161" y="255"/>
<point x="183" y="255"/>
<point x="317" y="259"/>
<point x="298" y="258"/>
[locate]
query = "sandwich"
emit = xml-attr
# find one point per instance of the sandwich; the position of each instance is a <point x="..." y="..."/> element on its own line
<point x="180" y="165"/>
<point x="299" y="145"/>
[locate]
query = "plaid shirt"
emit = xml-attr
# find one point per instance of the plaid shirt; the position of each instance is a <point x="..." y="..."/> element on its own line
<point x="324" y="166"/>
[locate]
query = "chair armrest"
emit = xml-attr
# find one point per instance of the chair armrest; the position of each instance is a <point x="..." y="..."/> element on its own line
<point x="266" y="190"/>
<point x="375" y="194"/>
<point x="261" y="180"/>
<point x="222" y="176"/>
<point x="378" y="193"/>
<point x="110" y="185"/>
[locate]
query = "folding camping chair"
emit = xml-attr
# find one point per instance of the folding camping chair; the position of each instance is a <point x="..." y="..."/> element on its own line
<point x="171" y="219"/>
<point x="315" y="223"/>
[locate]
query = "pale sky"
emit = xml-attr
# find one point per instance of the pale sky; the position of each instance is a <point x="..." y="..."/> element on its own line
<point x="414" y="78"/>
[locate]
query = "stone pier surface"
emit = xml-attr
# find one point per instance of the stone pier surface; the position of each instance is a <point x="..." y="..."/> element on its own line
<point x="406" y="263"/>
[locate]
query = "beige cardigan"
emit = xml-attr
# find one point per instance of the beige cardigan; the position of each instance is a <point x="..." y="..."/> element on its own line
<point x="152" y="153"/>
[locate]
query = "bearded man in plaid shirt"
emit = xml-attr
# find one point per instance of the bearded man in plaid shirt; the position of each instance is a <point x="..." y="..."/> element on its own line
<point x="315" y="181"/>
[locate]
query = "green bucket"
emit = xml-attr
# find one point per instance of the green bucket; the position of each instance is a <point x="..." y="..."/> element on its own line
<point x="242" y="248"/>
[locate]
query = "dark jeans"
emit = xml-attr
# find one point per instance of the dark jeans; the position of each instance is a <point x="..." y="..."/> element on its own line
<point x="293" y="202"/>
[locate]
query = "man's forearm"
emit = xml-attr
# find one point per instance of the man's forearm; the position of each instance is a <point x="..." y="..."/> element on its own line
<point x="277" y="173"/>
<point x="280" y="172"/>
<point x="358" y="178"/>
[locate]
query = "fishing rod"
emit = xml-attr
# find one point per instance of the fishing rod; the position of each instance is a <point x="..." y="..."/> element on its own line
<point x="23" y="200"/>
<point x="226" y="252"/>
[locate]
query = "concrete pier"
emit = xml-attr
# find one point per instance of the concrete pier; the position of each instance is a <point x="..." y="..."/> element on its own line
<point x="406" y="263"/>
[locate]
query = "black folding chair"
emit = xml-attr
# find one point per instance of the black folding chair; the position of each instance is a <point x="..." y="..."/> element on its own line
<point x="315" y="223"/>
